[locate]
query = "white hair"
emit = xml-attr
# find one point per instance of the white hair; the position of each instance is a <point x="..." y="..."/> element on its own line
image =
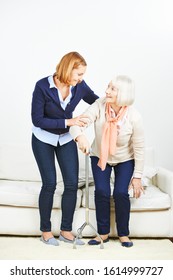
<point x="126" y="90"/>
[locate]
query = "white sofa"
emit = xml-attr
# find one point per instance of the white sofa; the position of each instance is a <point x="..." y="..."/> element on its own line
<point x="151" y="215"/>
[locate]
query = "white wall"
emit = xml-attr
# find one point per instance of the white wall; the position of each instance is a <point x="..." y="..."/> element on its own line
<point x="132" y="37"/>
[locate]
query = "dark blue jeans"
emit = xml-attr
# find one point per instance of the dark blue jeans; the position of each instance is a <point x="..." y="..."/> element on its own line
<point x="123" y="174"/>
<point x="67" y="157"/>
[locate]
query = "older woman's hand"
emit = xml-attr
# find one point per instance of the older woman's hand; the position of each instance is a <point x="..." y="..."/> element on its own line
<point x="83" y="144"/>
<point x="137" y="187"/>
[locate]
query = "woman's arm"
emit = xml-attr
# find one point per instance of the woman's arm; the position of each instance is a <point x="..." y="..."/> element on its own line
<point x="91" y="114"/>
<point x="138" y="145"/>
<point x="138" y="148"/>
<point x="89" y="96"/>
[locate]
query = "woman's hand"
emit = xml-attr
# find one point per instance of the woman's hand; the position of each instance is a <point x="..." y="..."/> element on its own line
<point x="83" y="144"/>
<point x="81" y="120"/>
<point x="137" y="187"/>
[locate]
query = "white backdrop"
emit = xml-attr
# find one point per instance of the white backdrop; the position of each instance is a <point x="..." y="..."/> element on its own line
<point x="133" y="37"/>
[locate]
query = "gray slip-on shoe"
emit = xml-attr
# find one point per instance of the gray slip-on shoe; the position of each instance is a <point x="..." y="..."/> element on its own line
<point x="78" y="241"/>
<point x="50" y="241"/>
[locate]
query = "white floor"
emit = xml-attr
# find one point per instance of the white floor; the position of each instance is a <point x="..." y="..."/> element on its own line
<point x="31" y="248"/>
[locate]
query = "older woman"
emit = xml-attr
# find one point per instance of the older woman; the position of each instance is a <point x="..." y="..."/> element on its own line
<point x="118" y="145"/>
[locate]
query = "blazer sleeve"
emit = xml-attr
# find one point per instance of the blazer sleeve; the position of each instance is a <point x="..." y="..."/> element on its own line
<point x="89" y="96"/>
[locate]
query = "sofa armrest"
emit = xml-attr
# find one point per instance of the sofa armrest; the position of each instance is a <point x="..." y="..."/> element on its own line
<point x="164" y="181"/>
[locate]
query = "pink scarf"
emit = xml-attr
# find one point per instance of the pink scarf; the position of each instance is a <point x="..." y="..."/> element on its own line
<point x="109" y="135"/>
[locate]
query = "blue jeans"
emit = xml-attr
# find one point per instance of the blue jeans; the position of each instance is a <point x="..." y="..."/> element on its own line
<point x="123" y="174"/>
<point x="67" y="157"/>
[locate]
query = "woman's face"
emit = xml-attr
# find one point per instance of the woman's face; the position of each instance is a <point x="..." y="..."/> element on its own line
<point x="77" y="75"/>
<point x="111" y="93"/>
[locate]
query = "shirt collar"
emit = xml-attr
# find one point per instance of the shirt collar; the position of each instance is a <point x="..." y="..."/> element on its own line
<point x="52" y="84"/>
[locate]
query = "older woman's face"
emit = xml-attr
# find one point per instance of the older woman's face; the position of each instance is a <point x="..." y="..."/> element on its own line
<point x="111" y="93"/>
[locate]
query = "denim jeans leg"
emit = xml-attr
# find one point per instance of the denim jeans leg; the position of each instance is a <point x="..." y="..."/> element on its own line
<point x="45" y="158"/>
<point x="123" y="175"/>
<point x="102" y="195"/>
<point x="67" y="156"/>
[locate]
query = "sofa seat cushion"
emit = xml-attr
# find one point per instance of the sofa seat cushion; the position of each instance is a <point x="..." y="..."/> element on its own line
<point x="153" y="199"/>
<point x="26" y="193"/>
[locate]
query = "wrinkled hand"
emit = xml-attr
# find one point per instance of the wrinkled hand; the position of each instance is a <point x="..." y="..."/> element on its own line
<point x="81" y="120"/>
<point x="83" y="144"/>
<point x="137" y="187"/>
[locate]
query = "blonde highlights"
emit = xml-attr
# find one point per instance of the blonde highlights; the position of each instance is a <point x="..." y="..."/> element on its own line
<point x="67" y="63"/>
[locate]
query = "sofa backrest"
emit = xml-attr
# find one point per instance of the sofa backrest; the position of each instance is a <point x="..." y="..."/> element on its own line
<point x="17" y="162"/>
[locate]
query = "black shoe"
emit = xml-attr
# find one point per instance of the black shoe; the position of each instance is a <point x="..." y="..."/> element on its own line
<point x="95" y="242"/>
<point x="127" y="244"/>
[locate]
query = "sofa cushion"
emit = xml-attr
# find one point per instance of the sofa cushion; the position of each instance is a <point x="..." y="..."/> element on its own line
<point x="148" y="175"/>
<point x="152" y="199"/>
<point x="25" y="194"/>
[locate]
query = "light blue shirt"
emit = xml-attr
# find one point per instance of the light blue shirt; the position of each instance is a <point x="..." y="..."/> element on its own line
<point x="48" y="137"/>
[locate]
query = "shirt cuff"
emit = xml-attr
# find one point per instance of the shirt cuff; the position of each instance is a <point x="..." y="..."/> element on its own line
<point x="137" y="175"/>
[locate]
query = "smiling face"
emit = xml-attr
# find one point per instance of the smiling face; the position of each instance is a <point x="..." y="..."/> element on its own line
<point x="77" y="75"/>
<point x="111" y="93"/>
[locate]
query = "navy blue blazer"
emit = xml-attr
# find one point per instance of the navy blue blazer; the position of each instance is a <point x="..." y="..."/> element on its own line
<point x="47" y="112"/>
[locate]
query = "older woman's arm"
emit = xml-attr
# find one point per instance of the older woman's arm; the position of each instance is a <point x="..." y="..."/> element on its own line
<point x="78" y="132"/>
<point x="138" y="148"/>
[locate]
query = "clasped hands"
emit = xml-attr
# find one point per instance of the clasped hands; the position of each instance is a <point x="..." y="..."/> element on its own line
<point x="81" y="121"/>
